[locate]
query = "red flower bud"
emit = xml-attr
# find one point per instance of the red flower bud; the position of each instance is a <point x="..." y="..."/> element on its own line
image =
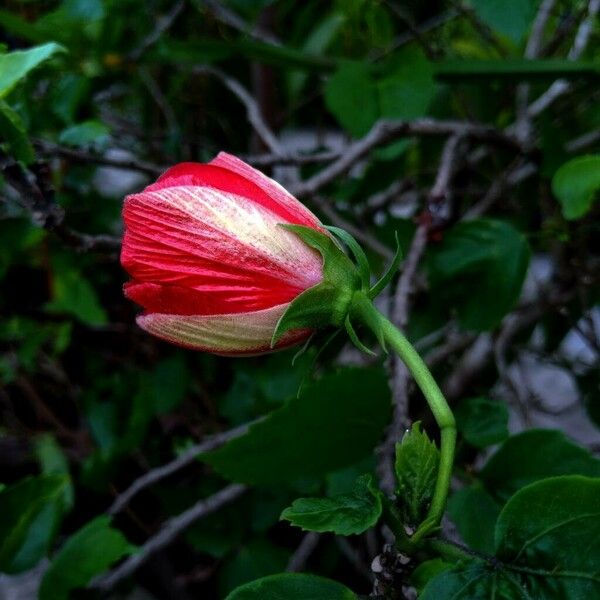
<point x="210" y="263"/>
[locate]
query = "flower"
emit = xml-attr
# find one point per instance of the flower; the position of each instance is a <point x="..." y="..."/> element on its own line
<point x="210" y="263"/>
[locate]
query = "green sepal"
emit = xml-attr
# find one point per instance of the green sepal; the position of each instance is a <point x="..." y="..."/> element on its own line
<point x="359" y="254"/>
<point x="355" y="339"/>
<point x="328" y="302"/>
<point x="387" y="276"/>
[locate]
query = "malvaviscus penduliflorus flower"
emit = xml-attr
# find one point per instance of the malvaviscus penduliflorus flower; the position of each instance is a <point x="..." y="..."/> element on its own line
<point x="217" y="252"/>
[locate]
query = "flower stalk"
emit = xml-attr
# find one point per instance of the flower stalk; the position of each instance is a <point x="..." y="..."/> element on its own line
<point x="388" y="334"/>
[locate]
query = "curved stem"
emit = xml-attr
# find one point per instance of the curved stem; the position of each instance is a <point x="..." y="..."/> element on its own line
<point x="389" y="334"/>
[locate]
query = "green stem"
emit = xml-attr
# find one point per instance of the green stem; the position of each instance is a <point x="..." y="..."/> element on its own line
<point x="389" y="334"/>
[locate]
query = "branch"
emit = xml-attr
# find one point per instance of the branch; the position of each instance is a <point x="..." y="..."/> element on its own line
<point x="306" y="547"/>
<point x="253" y="111"/>
<point x="170" y="530"/>
<point x="562" y="86"/>
<point x="37" y="196"/>
<point x="189" y="456"/>
<point x="385" y="131"/>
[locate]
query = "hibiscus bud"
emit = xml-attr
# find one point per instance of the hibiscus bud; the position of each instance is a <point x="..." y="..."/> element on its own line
<point x="211" y="259"/>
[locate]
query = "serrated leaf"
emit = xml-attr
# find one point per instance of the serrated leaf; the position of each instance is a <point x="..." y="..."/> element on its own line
<point x="330" y="426"/>
<point x="344" y="514"/>
<point x="481" y="421"/>
<point x="576" y="184"/>
<point x="20" y="506"/>
<point x="292" y="586"/>
<point x="14" y="66"/>
<point x="479" y="269"/>
<point x="533" y="455"/>
<point x="87" y="553"/>
<point x="417" y="462"/>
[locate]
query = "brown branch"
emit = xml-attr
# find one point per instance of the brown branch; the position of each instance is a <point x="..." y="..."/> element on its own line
<point x="190" y="455"/>
<point x="170" y="530"/>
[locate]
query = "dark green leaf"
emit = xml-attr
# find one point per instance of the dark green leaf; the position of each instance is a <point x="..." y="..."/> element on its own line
<point x="88" y="133"/>
<point x="482" y="422"/>
<point x="474" y="512"/>
<point x="169" y="383"/>
<point x="257" y="559"/>
<point x="426" y="571"/>
<point x="408" y="91"/>
<point x="12" y="130"/>
<point x="328" y="427"/>
<point x="351" y="98"/>
<point x="553" y="526"/>
<point x="87" y="553"/>
<point x="73" y="294"/>
<point x="20" y="506"/>
<point x="292" y="586"/>
<point x="511" y="18"/>
<point x="345" y="514"/>
<point x="417" y="461"/>
<point x="576" y="184"/>
<point x="479" y="268"/>
<point x="533" y="455"/>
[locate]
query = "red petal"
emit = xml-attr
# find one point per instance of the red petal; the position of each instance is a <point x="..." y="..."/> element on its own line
<point x="215" y="244"/>
<point x="229" y="174"/>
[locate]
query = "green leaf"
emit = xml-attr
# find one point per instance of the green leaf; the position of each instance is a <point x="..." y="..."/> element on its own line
<point x="474" y="581"/>
<point x="409" y="90"/>
<point x="14" y="66"/>
<point x="482" y="422"/>
<point x="417" y="462"/>
<point x="13" y="131"/>
<point x="344" y="514"/>
<point x="292" y="586"/>
<point x="576" y="184"/>
<point x="426" y="571"/>
<point x="53" y="461"/>
<point x="169" y="383"/>
<point x="553" y="526"/>
<point x="474" y="512"/>
<point x="20" y="506"/>
<point x="88" y="133"/>
<point x="87" y="553"/>
<point x="258" y="558"/>
<point x="351" y="98"/>
<point x="511" y="18"/>
<point x="328" y="427"/>
<point x="72" y="294"/>
<point x="533" y="455"/>
<point x="479" y="269"/>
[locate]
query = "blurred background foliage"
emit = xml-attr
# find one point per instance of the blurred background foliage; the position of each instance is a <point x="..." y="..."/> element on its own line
<point x="98" y="96"/>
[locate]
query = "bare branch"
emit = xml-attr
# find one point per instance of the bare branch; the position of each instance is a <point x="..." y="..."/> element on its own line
<point x="155" y="475"/>
<point x="170" y="530"/>
<point x="253" y="111"/>
<point x="306" y="547"/>
<point x="562" y="86"/>
<point x="385" y="131"/>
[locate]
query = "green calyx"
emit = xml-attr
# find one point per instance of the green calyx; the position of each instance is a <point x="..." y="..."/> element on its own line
<point x="345" y="292"/>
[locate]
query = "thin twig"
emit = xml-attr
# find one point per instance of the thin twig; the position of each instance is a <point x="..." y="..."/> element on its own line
<point x="170" y="530"/>
<point x="189" y="456"/>
<point x="562" y="86"/>
<point x="385" y="131"/>
<point x="163" y="23"/>
<point x="303" y="552"/>
<point x="253" y="112"/>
